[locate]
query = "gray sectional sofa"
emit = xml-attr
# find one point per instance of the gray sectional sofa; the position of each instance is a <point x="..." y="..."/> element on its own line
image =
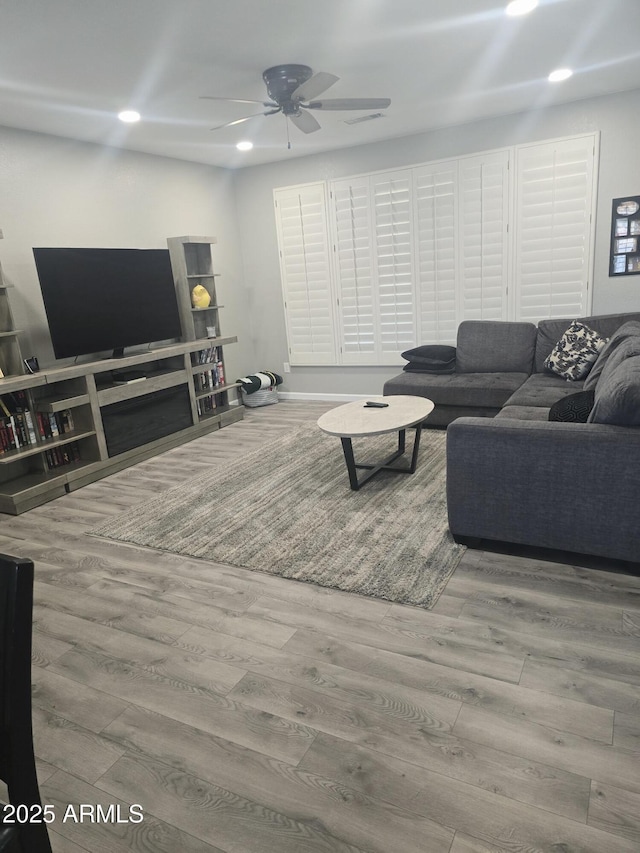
<point x="515" y="476"/>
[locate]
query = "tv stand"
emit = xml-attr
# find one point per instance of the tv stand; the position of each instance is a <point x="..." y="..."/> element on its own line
<point x="86" y="426"/>
<point x="66" y="427"/>
<point x="124" y="376"/>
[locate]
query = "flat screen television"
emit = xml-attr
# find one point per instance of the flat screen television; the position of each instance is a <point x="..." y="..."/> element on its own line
<point x="107" y="299"/>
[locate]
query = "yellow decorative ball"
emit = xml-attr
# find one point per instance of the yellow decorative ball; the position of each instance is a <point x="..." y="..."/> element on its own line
<point x="200" y="297"/>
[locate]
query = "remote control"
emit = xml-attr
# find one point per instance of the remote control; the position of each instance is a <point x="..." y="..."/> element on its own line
<point x="371" y="405"/>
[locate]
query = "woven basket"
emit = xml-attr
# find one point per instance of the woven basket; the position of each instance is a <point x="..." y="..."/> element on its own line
<point x="264" y="397"/>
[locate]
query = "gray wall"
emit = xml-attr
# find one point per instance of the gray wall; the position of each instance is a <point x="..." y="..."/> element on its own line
<point x="56" y="192"/>
<point x="617" y="117"/>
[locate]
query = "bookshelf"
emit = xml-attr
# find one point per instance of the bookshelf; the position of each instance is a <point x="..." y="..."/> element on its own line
<point x="101" y="426"/>
<point x="192" y="263"/>
<point x="65" y="427"/>
<point x="10" y="357"/>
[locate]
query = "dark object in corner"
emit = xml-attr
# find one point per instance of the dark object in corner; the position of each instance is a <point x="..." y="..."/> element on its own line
<point x="32" y="364"/>
<point x="17" y="762"/>
<point x="431" y="358"/>
<point x="574" y="408"/>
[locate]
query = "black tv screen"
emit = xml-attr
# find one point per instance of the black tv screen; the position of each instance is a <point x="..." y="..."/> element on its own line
<point x="107" y="299"/>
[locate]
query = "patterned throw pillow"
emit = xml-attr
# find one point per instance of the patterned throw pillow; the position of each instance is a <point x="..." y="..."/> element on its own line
<point x="575" y="408"/>
<point x="576" y="352"/>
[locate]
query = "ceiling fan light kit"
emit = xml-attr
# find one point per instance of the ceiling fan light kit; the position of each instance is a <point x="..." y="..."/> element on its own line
<point x="293" y="90"/>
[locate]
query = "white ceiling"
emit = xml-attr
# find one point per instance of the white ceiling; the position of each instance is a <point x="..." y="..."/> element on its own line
<point x="68" y="66"/>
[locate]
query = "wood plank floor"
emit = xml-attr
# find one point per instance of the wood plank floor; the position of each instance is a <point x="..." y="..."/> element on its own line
<point x="251" y="714"/>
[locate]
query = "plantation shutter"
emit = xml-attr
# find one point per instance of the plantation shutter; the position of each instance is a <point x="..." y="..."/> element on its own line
<point x="483" y="228"/>
<point x="353" y="259"/>
<point x="301" y="220"/>
<point x="411" y="253"/>
<point x="393" y="229"/>
<point x="436" y="249"/>
<point x="554" y="203"/>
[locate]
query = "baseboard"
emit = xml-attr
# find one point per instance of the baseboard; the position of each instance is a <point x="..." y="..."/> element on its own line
<point x="322" y="398"/>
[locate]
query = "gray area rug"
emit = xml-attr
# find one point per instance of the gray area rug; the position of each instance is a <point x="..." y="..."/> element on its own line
<point x="287" y="510"/>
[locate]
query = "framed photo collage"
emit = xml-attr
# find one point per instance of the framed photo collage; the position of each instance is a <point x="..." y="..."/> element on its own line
<point x="625" y="236"/>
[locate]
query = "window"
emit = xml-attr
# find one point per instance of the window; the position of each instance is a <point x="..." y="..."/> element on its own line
<point x="376" y="264"/>
<point x="306" y="276"/>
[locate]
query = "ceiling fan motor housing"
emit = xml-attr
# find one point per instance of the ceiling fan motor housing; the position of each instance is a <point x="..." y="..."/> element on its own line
<point x="283" y="80"/>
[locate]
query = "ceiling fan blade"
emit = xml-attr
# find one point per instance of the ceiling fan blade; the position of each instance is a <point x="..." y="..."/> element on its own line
<point x="314" y="86"/>
<point x="240" y="120"/>
<point x="237" y="100"/>
<point x="349" y="104"/>
<point x="305" y="122"/>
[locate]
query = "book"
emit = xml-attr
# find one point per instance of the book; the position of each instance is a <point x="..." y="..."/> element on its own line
<point x="13" y="432"/>
<point x="30" y="427"/>
<point x="53" y="424"/>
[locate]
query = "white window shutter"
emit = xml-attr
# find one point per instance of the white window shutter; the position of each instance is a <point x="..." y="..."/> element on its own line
<point x="353" y="262"/>
<point x="301" y="219"/>
<point x="483" y="228"/>
<point x="395" y="284"/>
<point x="499" y="235"/>
<point x="554" y="204"/>
<point x="436" y="250"/>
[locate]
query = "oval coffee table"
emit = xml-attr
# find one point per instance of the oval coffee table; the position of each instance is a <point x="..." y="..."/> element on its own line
<point x="355" y="419"/>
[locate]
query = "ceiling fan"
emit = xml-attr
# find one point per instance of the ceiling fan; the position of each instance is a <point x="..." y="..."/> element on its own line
<point x="292" y="90"/>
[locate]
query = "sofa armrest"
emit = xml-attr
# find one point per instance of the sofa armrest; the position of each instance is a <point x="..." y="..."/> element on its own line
<point x="574" y="487"/>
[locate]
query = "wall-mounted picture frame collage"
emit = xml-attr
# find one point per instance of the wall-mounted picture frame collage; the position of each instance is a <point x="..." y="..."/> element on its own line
<point x="625" y="236"/>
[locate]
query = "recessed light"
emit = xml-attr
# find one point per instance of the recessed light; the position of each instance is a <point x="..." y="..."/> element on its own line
<point x="560" y="74"/>
<point x="521" y="7"/>
<point x="245" y="145"/>
<point x="129" y="116"/>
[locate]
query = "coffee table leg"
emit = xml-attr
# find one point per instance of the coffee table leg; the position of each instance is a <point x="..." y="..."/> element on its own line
<point x="352" y="467"/>
<point x="416" y="446"/>
<point x="347" y="449"/>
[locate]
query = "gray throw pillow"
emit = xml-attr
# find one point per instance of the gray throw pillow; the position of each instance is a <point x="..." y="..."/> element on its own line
<point x="431" y="358"/>
<point x="617" y="400"/>
<point x="630" y="329"/>
<point x="437" y="354"/>
<point x="576" y="352"/>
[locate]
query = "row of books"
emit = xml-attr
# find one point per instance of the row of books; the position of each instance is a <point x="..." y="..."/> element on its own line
<point x="54" y="424"/>
<point x="206" y="405"/>
<point x="16" y="431"/>
<point x="207" y="356"/>
<point x="209" y="379"/>
<point x="63" y="455"/>
<point x="19" y="428"/>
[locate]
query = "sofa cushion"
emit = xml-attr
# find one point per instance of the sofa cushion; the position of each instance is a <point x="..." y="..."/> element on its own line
<point x="550" y="331"/>
<point x="626" y="349"/>
<point x="627" y="331"/>
<point x="486" y="390"/>
<point x="618" y="395"/>
<point x="495" y="346"/>
<point x="576" y="352"/>
<point x="431" y="358"/>
<point x="575" y="408"/>
<point x="543" y="389"/>
<point x="524" y="413"/>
